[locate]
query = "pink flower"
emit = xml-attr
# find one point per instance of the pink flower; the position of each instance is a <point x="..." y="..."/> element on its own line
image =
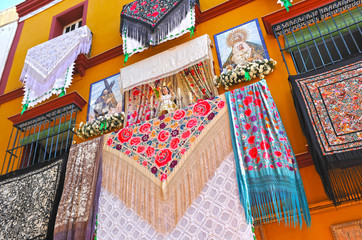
<point x="174" y="143"/>
<point x="163" y="177"/>
<point x="264" y="145"/>
<point x="257" y="102"/>
<point x="109" y="141"/>
<point x="150" y="151"/>
<point x="163" y="136"/>
<point x="163" y="157"/>
<point x="191" y="123"/>
<point x="278" y="153"/>
<point x="247" y="126"/>
<point x="179" y="114"/>
<point x="183" y="151"/>
<point x="279" y="164"/>
<point x="156" y="6"/>
<point x="266" y="155"/>
<point x="248" y="100"/>
<point x="145" y="128"/>
<point x="135" y="141"/>
<point x="251" y="140"/>
<point x="125" y="134"/>
<point x="221" y="104"/>
<point x="201" y="108"/>
<point x="141" y="149"/>
<point x="155" y="14"/>
<point x="201" y="128"/>
<point x="186" y="134"/>
<point x="250" y="168"/>
<point x="144" y="163"/>
<point x="128" y="152"/>
<point x="247" y="112"/>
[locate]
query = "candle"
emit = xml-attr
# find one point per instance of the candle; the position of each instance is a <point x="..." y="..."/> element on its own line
<point x="178" y="92"/>
<point x="190" y="96"/>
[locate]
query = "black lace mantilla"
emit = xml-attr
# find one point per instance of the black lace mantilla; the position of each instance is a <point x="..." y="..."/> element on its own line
<point x="29" y="199"/>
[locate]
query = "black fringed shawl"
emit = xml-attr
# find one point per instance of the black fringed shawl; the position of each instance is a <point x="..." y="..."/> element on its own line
<point x="29" y="200"/>
<point x="329" y="106"/>
<point x="142" y="18"/>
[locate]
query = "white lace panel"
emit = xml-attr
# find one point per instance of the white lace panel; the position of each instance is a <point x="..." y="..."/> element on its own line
<point x="215" y="214"/>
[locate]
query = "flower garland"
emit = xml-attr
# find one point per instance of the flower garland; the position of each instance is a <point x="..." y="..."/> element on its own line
<point x="257" y="68"/>
<point x="100" y="125"/>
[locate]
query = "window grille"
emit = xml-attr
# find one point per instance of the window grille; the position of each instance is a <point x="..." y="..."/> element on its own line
<point x="321" y="37"/>
<point x="40" y="139"/>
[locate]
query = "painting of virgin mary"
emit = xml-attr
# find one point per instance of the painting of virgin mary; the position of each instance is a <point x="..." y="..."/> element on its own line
<point x="240" y="45"/>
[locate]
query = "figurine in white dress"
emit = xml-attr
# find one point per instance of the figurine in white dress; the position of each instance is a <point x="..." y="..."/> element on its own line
<point x="166" y="101"/>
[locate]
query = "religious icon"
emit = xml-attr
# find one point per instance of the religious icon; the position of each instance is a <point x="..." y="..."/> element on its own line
<point x="105" y="98"/>
<point x="240" y="45"/>
<point x="167" y="104"/>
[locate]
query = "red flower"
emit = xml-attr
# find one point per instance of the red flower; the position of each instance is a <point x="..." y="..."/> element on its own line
<point x="128" y="152"/>
<point x="264" y="145"/>
<point x="144" y="163"/>
<point x="149" y="14"/>
<point x="193" y="72"/>
<point x="251" y="140"/>
<point x="163" y="9"/>
<point x="257" y="94"/>
<point x="250" y="168"/>
<point x="163" y="135"/>
<point x="247" y="126"/>
<point x="248" y="100"/>
<point x="221" y="104"/>
<point x="141" y="149"/>
<point x="125" y="134"/>
<point x="136" y="92"/>
<point x="201" y="108"/>
<point x="174" y="143"/>
<point x="191" y="123"/>
<point x="133" y="6"/>
<point x="143" y="3"/>
<point x="201" y="128"/>
<point x="135" y="141"/>
<point x="186" y="134"/>
<point x="253" y="152"/>
<point x="247" y="112"/>
<point x="266" y="155"/>
<point x="154" y="14"/>
<point x="109" y="141"/>
<point x="183" y="151"/>
<point x="278" y="153"/>
<point x="279" y="164"/>
<point x="156" y="6"/>
<point x="257" y="102"/>
<point x="163" y="177"/>
<point x="145" y="128"/>
<point x="150" y="151"/>
<point x="271" y="166"/>
<point x="179" y="114"/>
<point x="163" y="157"/>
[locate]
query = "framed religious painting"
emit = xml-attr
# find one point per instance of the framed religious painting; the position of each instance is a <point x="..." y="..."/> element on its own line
<point x="105" y="97"/>
<point x="347" y="231"/>
<point x="240" y="45"/>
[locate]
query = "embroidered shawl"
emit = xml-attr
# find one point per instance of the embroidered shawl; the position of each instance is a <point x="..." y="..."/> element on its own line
<point x="145" y="23"/>
<point x="29" y="199"/>
<point x="270" y="185"/>
<point x="329" y="106"/>
<point x="159" y="167"/>
<point x="215" y="214"/>
<point x="79" y="203"/>
<point x="49" y="66"/>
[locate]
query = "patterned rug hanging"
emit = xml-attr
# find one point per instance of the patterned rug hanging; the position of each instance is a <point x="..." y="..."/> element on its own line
<point x="329" y="106"/>
<point x="156" y="161"/>
<point x="48" y="67"/>
<point x="145" y="23"/>
<point x="78" y="206"/>
<point x="215" y="214"/>
<point x="29" y="200"/>
<point x="270" y="185"/>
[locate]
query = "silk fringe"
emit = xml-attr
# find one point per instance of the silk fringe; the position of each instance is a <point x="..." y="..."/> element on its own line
<point x="162" y="204"/>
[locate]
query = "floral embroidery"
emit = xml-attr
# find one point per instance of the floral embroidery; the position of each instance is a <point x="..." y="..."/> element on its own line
<point x="162" y="141"/>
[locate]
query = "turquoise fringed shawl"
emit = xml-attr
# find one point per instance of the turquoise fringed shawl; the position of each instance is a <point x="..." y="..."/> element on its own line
<point x="269" y="181"/>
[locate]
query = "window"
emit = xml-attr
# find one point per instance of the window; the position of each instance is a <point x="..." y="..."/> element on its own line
<point x="43" y="137"/>
<point x="69" y="20"/>
<point x="321" y="37"/>
<point x="72" y="26"/>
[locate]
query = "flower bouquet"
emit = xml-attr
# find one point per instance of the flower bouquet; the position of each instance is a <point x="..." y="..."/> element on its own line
<point x="101" y="125"/>
<point x="256" y="68"/>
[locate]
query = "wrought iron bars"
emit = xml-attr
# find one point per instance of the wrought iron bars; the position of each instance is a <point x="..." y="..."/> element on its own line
<point x="321" y="37"/>
<point x="40" y="139"/>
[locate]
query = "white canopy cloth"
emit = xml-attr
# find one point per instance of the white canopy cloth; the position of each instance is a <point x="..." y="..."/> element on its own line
<point x="166" y="63"/>
<point x="48" y="66"/>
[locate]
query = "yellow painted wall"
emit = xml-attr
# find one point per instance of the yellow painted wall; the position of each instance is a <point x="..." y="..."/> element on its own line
<point x="103" y="19"/>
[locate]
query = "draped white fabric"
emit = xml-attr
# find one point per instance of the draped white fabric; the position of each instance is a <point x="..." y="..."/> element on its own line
<point x="47" y="65"/>
<point x="215" y="214"/>
<point x="166" y="63"/>
<point x="7" y="34"/>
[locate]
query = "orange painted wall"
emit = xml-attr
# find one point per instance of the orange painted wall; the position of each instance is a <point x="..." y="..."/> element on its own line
<point x="103" y="19"/>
